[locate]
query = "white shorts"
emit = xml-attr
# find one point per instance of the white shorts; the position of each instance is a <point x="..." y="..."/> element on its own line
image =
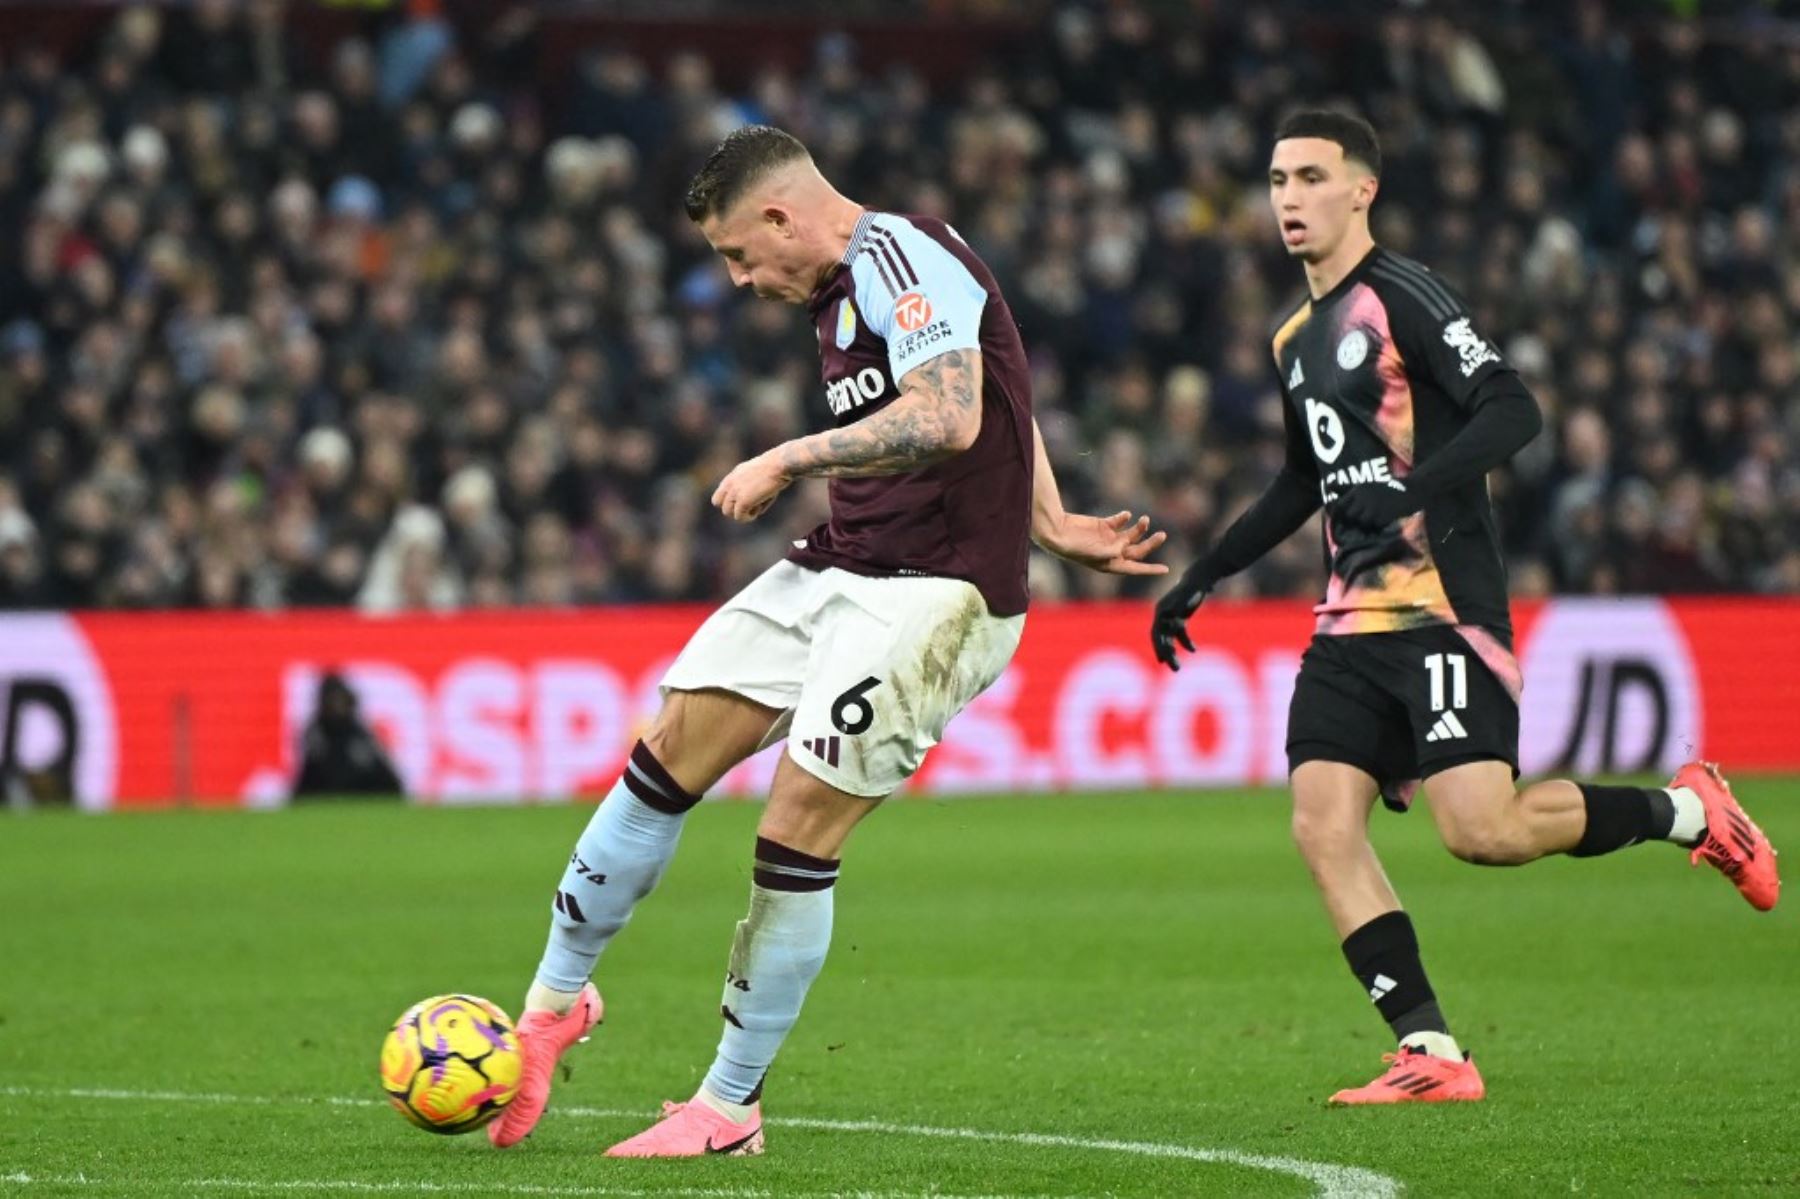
<point x="865" y="671"/>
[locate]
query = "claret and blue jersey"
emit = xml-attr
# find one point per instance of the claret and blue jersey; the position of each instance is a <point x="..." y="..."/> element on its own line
<point x="908" y="290"/>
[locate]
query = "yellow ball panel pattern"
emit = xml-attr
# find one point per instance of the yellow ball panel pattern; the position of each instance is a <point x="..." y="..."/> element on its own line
<point x="451" y="1063"/>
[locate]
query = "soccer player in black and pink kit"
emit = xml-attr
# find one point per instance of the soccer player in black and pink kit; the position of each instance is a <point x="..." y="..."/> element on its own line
<point x="1396" y="409"/>
<point x="879" y="627"/>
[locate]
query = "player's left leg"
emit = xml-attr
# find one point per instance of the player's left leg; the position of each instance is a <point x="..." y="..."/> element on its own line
<point x="777" y="952"/>
<point x="1460" y="686"/>
<point x="1482" y="819"/>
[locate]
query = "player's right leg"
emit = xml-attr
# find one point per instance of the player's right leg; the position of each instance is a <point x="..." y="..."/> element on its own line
<point x="723" y="699"/>
<point x="619" y="858"/>
<point x="1332" y="803"/>
<point x="892" y="661"/>
<point x="1345" y="734"/>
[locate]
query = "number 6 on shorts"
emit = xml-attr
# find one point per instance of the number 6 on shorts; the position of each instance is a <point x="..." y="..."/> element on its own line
<point x="850" y="712"/>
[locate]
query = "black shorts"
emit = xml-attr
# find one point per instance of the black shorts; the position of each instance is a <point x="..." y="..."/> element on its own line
<point x="1400" y="706"/>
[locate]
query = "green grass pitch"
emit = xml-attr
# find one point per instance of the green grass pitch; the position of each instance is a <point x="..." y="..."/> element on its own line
<point x="184" y="996"/>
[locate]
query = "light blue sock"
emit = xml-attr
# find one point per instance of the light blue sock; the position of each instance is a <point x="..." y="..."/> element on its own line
<point x="777" y="952"/>
<point x="619" y="858"/>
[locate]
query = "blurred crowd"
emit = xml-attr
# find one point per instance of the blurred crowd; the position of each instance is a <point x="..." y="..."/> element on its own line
<point x="402" y="325"/>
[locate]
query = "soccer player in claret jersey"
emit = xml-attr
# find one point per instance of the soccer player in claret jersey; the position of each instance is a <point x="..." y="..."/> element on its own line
<point x="1396" y="408"/>
<point x="878" y="628"/>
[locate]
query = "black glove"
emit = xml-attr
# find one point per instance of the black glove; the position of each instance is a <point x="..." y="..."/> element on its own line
<point x="1169" y="627"/>
<point x="1375" y="506"/>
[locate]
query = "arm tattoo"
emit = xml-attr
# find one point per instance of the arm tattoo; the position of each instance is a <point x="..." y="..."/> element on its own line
<point x="919" y="428"/>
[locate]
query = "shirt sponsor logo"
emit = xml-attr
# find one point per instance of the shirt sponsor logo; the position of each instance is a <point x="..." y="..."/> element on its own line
<point x="844" y="394"/>
<point x="1474" y="351"/>
<point x="846" y="324"/>
<point x="1353" y="349"/>
<point x="912" y="312"/>
<point x="1369" y="470"/>
<point x="1327" y="430"/>
<point x="907" y="346"/>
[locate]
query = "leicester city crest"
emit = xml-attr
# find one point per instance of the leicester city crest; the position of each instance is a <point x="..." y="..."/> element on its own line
<point x="1352" y="349"/>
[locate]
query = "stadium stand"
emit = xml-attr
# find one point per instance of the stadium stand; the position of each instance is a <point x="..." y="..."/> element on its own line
<point x="392" y="320"/>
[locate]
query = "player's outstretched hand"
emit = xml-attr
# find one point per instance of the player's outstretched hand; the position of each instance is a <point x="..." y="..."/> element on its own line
<point x="1114" y="545"/>
<point x="1168" y="628"/>
<point x="1375" y="506"/>
<point x="750" y="488"/>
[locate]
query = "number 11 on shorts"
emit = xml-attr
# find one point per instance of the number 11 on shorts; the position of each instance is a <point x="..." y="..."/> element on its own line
<point x="1459" y="680"/>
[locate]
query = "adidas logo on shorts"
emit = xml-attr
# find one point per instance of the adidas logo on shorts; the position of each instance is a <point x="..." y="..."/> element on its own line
<point x="823" y="748"/>
<point x="1447" y="728"/>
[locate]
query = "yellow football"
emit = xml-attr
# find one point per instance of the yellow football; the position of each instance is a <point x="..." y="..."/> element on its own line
<point x="451" y="1063"/>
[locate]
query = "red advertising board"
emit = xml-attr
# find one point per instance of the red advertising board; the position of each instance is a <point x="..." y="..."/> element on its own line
<point x="526" y="705"/>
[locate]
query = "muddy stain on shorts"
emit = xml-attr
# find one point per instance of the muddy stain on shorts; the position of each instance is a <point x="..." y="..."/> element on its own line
<point x="938" y="670"/>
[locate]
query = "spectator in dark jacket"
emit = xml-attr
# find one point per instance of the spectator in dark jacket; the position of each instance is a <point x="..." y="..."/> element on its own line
<point x="339" y="754"/>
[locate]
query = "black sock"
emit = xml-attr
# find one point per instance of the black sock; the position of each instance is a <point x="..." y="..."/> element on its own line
<point x="1622" y="816"/>
<point x="1384" y="956"/>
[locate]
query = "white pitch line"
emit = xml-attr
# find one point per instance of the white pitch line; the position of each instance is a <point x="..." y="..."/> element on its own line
<point x="419" y="1187"/>
<point x="1334" y="1181"/>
